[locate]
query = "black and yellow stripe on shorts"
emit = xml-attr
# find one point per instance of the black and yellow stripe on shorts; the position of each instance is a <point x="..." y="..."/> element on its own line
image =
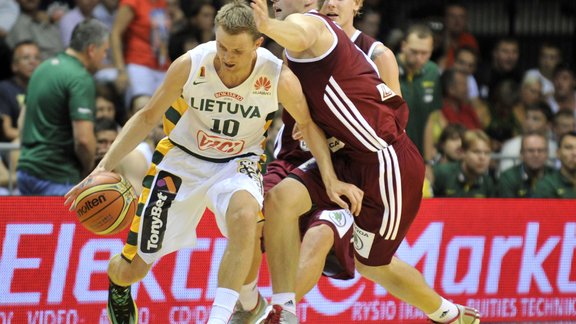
<point x="131" y="247"/>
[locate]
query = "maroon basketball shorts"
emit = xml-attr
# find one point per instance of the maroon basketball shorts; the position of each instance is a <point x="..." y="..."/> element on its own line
<point x="340" y="261"/>
<point x="392" y="182"/>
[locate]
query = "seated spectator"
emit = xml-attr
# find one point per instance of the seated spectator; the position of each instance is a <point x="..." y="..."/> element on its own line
<point x="502" y="68"/>
<point x="448" y="150"/>
<point x="503" y="124"/>
<point x="133" y="167"/>
<point x="25" y="60"/>
<point x="548" y="59"/>
<point x="449" y="146"/>
<point x="519" y="181"/>
<point x="456" y="34"/>
<point x="538" y="120"/>
<point x="456" y="109"/>
<point x="83" y="10"/>
<point x="561" y="183"/>
<point x="564" y="94"/>
<point x="530" y="95"/>
<point x="107" y="101"/>
<point x="35" y="25"/>
<point x="564" y="121"/>
<point x="468" y="178"/>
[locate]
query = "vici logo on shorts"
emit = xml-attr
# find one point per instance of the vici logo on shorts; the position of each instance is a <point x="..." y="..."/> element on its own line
<point x="206" y="142"/>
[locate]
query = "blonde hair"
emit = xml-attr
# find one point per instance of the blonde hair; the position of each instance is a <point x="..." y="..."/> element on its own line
<point x="235" y="18"/>
<point x="472" y="136"/>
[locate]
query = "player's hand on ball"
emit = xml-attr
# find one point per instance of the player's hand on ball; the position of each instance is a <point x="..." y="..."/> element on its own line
<point x="73" y="193"/>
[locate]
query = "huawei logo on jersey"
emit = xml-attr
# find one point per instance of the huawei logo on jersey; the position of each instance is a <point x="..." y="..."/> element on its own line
<point x="227" y="146"/>
<point x="262" y="86"/>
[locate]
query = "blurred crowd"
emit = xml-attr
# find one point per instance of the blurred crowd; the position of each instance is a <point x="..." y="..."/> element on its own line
<point x="485" y="127"/>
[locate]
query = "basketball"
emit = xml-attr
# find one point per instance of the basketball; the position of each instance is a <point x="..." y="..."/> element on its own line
<point x="106" y="204"/>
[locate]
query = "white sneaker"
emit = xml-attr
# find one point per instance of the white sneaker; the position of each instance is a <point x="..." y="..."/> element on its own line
<point x="240" y="316"/>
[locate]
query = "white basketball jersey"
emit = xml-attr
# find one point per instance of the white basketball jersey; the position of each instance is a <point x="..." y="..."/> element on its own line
<point x="220" y="123"/>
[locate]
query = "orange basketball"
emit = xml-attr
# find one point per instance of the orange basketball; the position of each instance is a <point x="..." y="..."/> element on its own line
<point x="106" y="204"/>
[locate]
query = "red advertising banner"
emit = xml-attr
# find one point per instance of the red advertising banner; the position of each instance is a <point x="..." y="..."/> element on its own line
<point x="512" y="259"/>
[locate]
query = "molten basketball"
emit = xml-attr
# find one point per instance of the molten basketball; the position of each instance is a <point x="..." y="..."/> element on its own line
<point x="106" y="204"/>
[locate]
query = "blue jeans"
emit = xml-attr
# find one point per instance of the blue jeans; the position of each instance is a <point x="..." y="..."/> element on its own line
<point x="29" y="185"/>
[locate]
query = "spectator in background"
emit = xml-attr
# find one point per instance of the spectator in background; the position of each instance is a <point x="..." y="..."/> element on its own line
<point x="198" y="24"/>
<point x="105" y="11"/>
<point x="25" y="60"/>
<point x="58" y="143"/>
<point x="83" y="10"/>
<point x="549" y="57"/>
<point x="466" y="60"/>
<point x="35" y="25"/>
<point x="564" y="94"/>
<point x="456" y="34"/>
<point x="448" y="150"/>
<point x="519" y="181"/>
<point x="419" y="80"/>
<point x="508" y="114"/>
<point x="105" y="102"/>
<point x="503" y="125"/>
<point x="564" y="121"/>
<point x="538" y="119"/>
<point x="133" y="166"/>
<point x="369" y="22"/>
<point x="502" y="68"/>
<point x="139" y="41"/>
<point x="468" y="178"/>
<point x="200" y="14"/>
<point x="456" y="109"/>
<point x="449" y="146"/>
<point x="561" y="183"/>
<point x="9" y="11"/>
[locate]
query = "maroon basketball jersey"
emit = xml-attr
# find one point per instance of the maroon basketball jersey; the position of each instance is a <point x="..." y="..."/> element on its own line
<point x="365" y="42"/>
<point x="347" y="99"/>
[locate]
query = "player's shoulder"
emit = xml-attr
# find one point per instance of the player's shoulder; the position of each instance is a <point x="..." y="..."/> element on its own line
<point x="265" y="54"/>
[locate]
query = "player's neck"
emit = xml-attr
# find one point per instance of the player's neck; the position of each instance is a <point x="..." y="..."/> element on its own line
<point x="349" y="30"/>
<point x="234" y="78"/>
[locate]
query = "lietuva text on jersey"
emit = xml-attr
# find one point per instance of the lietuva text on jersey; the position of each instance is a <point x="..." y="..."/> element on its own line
<point x="219" y="106"/>
<point x="215" y="122"/>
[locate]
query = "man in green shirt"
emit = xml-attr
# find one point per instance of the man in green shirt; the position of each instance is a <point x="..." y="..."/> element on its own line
<point x="468" y="178"/>
<point x="58" y="143"/>
<point x="519" y="181"/>
<point x="419" y="80"/>
<point x="561" y="183"/>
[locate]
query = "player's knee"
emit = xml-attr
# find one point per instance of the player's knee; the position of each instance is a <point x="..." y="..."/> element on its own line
<point x="278" y="201"/>
<point x="321" y="237"/>
<point x="244" y="220"/>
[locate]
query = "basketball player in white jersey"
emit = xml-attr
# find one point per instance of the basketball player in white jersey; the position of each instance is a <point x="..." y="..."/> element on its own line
<point x="217" y="101"/>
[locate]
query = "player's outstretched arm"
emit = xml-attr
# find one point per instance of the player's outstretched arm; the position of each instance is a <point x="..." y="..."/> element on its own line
<point x="138" y="127"/>
<point x="296" y="33"/>
<point x="292" y="98"/>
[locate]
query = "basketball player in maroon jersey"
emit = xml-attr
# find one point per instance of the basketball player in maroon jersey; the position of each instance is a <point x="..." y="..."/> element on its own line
<point x="349" y="101"/>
